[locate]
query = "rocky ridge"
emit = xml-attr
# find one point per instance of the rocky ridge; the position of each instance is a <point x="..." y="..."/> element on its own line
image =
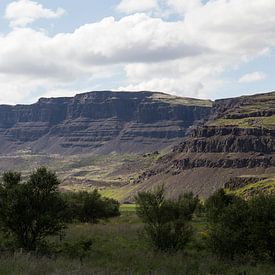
<point x="99" y="122"/>
<point x="211" y="145"/>
<point x="225" y="147"/>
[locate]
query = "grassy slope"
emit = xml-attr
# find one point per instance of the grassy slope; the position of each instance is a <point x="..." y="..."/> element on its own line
<point x="250" y="122"/>
<point x="181" y="100"/>
<point x="120" y="248"/>
<point x="110" y="174"/>
<point x="249" y="106"/>
<point x="267" y="186"/>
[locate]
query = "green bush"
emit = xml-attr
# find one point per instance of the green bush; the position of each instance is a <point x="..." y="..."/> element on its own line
<point x="90" y="206"/>
<point x="262" y="228"/>
<point x="229" y="232"/>
<point x="238" y="227"/>
<point x="166" y="221"/>
<point x="215" y="204"/>
<point x="32" y="210"/>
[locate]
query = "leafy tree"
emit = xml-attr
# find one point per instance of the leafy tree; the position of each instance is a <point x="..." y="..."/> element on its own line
<point x="216" y="203"/>
<point x="166" y="221"/>
<point x="111" y="207"/>
<point x="91" y="206"/>
<point x="32" y="210"/>
<point x="238" y="227"/>
<point x="229" y="231"/>
<point x="262" y="228"/>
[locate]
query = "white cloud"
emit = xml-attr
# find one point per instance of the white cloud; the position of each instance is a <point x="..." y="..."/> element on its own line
<point x="186" y="57"/>
<point x="252" y="77"/>
<point x="66" y="55"/>
<point x="24" y="12"/>
<point x="233" y="32"/>
<point x="132" y="6"/>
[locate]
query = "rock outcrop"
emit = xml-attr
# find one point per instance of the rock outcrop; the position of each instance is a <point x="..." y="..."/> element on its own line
<point x="228" y="140"/>
<point x="239" y="182"/>
<point x="100" y="122"/>
<point x="220" y="151"/>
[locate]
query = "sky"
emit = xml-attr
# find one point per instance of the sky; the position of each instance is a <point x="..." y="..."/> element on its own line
<point x="194" y="48"/>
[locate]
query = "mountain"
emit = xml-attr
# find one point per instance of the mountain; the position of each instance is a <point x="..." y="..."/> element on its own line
<point x="99" y="122"/>
<point x="235" y="148"/>
<point x="202" y="145"/>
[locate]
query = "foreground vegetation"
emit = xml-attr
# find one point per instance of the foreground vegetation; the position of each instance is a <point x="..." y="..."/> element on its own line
<point x="119" y="247"/>
<point x="91" y="244"/>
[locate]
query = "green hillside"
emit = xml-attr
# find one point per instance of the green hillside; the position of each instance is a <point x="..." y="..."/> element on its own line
<point x="246" y="112"/>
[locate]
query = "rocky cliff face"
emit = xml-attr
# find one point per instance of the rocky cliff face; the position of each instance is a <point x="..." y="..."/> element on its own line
<point x="238" y="139"/>
<point x="260" y="105"/>
<point x="228" y="140"/>
<point x="100" y="122"/>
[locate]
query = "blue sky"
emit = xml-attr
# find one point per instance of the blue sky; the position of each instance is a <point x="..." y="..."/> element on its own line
<point x="206" y="49"/>
<point x="77" y="13"/>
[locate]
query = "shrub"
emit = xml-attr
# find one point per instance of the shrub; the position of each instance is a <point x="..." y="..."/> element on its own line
<point x="215" y="204"/>
<point x="262" y="229"/>
<point x="32" y="210"/>
<point x="166" y="221"/>
<point x="229" y="232"/>
<point x="90" y="207"/>
<point x="238" y="227"/>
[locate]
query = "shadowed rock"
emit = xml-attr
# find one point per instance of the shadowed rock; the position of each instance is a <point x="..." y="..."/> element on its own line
<point x="100" y="122"/>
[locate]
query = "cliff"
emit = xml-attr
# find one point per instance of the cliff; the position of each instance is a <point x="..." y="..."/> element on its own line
<point x="100" y="122"/>
<point x="237" y="139"/>
<point x="213" y="144"/>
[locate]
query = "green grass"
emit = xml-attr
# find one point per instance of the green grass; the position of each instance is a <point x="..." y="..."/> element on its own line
<point x="112" y="174"/>
<point x="119" y="193"/>
<point x="119" y="247"/>
<point x="181" y="100"/>
<point x="127" y="208"/>
<point x="267" y="186"/>
<point x="250" y="122"/>
<point x="249" y="105"/>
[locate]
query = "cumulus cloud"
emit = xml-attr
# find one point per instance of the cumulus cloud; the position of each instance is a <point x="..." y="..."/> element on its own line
<point x="26" y="51"/>
<point x="186" y="57"/>
<point x="132" y="6"/>
<point x="252" y="77"/>
<point x="24" y="12"/>
<point x="233" y="32"/>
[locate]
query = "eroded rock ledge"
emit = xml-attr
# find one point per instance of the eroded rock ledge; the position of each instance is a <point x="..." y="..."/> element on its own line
<point x="239" y="182"/>
<point x="211" y="139"/>
<point x="100" y="122"/>
<point x="188" y="163"/>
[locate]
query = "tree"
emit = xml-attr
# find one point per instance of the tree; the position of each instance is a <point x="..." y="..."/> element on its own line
<point x="91" y="206"/>
<point x="166" y="221"/>
<point x="229" y="233"/>
<point x="216" y="203"/>
<point x="31" y="210"/>
<point x="238" y="226"/>
<point x="262" y="229"/>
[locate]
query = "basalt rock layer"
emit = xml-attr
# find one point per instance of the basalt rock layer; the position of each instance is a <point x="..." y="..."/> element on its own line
<point x="228" y="140"/>
<point x="100" y="122"/>
<point x="238" y="139"/>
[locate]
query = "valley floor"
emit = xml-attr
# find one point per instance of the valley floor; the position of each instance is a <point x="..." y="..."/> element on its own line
<point x="119" y="247"/>
<point x="112" y="174"/>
